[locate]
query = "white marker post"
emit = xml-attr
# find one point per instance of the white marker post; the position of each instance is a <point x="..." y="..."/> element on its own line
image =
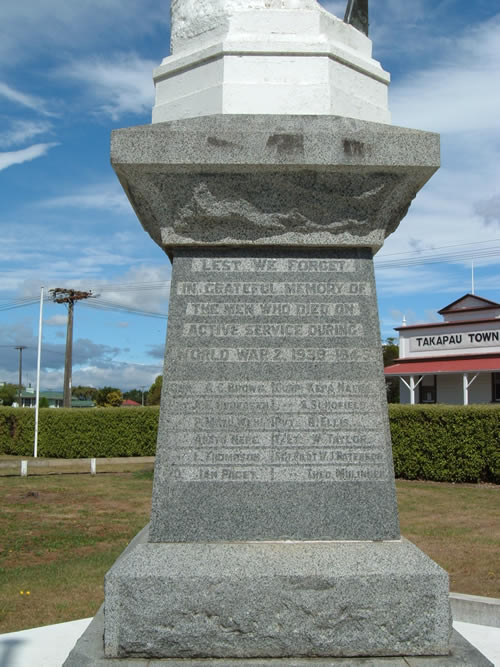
<point x="93" y="466"/>
<point x="24" y="468"/>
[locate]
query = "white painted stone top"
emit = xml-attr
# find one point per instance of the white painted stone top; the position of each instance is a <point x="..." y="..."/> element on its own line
<point x="267" y="57"/>
<point x="190" y="18"/>
<point x="196" y="22"/>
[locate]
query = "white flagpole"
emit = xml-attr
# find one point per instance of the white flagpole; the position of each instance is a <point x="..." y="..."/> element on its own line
<point x="37" y="404"/>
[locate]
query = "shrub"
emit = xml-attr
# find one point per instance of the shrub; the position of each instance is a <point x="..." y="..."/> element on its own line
<point x="84" y="433"/>
<point x="17" y="428"/>
<point x="445" y="443"/>
<point x="439" y="443"/>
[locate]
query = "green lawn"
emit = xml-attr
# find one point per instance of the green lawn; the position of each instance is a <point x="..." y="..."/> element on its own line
<point x="59" y="534"/>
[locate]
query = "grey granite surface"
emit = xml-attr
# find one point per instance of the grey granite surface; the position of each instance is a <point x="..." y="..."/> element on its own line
<point x="274" y="415"/>
<point x="272" y="180"/>
<point x="89" y="652"/>
<point x="276" y="600"/>
<point x="90" y="648"/>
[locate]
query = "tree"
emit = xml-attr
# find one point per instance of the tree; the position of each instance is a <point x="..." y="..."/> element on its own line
<point x="43" y="402"/>
<point x="84" y="393"/>
<point x="134" y="395"/>
<point x="104" y="399"/>
<point x="114" y="399"/>
<point x="391" y="352"/>
<point x="154" y="393"/>
<point x="8" y="394"/>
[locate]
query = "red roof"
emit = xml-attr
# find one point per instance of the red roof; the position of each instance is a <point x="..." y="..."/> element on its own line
<point x="435" y="366"/>
<point x="128" y="403"/>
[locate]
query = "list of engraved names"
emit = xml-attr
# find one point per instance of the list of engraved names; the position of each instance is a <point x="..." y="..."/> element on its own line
<point x="273" y="311"/>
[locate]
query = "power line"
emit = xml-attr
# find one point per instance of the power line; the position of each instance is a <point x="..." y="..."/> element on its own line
<point x="405" y="259"/>
<point x="134" y="287"/>
<point x="14" y="300"/>
<point x="458" y="245"/>
<point x="98" y="304"/>
<point x="18" y="304"/>
<point x="451" y="258"/>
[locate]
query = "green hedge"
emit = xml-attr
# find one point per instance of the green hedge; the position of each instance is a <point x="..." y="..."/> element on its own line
<point x="80" y="433"/>
<point x="445" y="443"/>
<point x="440" y="443"/>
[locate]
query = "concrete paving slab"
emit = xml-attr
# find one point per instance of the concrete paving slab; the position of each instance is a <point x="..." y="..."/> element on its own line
<point x="50" y="645"/>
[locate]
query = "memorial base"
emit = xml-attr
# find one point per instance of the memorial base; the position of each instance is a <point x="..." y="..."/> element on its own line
<point x="274" y="603"/>
<point x="89" y="652"/>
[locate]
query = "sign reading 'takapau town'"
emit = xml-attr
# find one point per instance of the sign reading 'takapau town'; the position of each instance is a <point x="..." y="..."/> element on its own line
<point x="456" y="340"/>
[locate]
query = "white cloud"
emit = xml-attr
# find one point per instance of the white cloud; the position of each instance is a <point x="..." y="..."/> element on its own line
<point x="118" y="86"/>
<point x="24" y="99"/>
<point x="432" y="316"/>
<point x="458" y="92"/>
<point x="106" y="197"/>
<point x="72" y="248"/>
<point x="122" y="375"/>
<point x="411" y="32"/>
<point x="157" y="351"/>
<point x="399" y="281"/>
<point x="56" y="321"/>
<point x="125" y="376"/>
<point x="20" y="131"/>
<point x="454" y="93"/>
<point x="142" y="287"/>
<point x="446" y="213"/>
<point x="10" y="158"/>
<point x="489" y="210"/>
<point x="31" y="28"/>
<point x="336" y="7"/>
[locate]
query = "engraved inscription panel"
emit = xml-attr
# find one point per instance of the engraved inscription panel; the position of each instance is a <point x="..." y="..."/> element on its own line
<point x="272" y="370"/>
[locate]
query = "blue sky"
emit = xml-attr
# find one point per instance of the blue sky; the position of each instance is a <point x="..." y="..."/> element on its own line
<point x="71" y="72"/>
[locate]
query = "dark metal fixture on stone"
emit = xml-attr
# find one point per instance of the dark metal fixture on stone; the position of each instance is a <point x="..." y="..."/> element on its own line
<point x="356" y="15"/>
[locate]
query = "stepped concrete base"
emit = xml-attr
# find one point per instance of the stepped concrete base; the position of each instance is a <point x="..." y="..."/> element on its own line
<point x="475" y="609"/>
<point x="259" y="601"/>
<point x="89" y="652"/>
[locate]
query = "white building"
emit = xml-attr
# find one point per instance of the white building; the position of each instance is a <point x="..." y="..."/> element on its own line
<point x="456" y="361"/>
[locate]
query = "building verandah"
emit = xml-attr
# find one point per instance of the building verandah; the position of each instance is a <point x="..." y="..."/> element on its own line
<point x="432" y="382"/>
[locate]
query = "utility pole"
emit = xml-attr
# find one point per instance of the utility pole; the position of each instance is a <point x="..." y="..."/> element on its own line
<point x="68" y="296"/>
<point x="143" y="387"/>
<point x="20" y="348"/>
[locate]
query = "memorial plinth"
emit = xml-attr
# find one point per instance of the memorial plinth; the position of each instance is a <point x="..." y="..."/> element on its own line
<point x="274" y="528"/>
<point x="274" y="422"/>
<point x="274" y="535"/>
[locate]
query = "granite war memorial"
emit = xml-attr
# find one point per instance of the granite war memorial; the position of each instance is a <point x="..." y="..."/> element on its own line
<point x="270" y="176"/>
